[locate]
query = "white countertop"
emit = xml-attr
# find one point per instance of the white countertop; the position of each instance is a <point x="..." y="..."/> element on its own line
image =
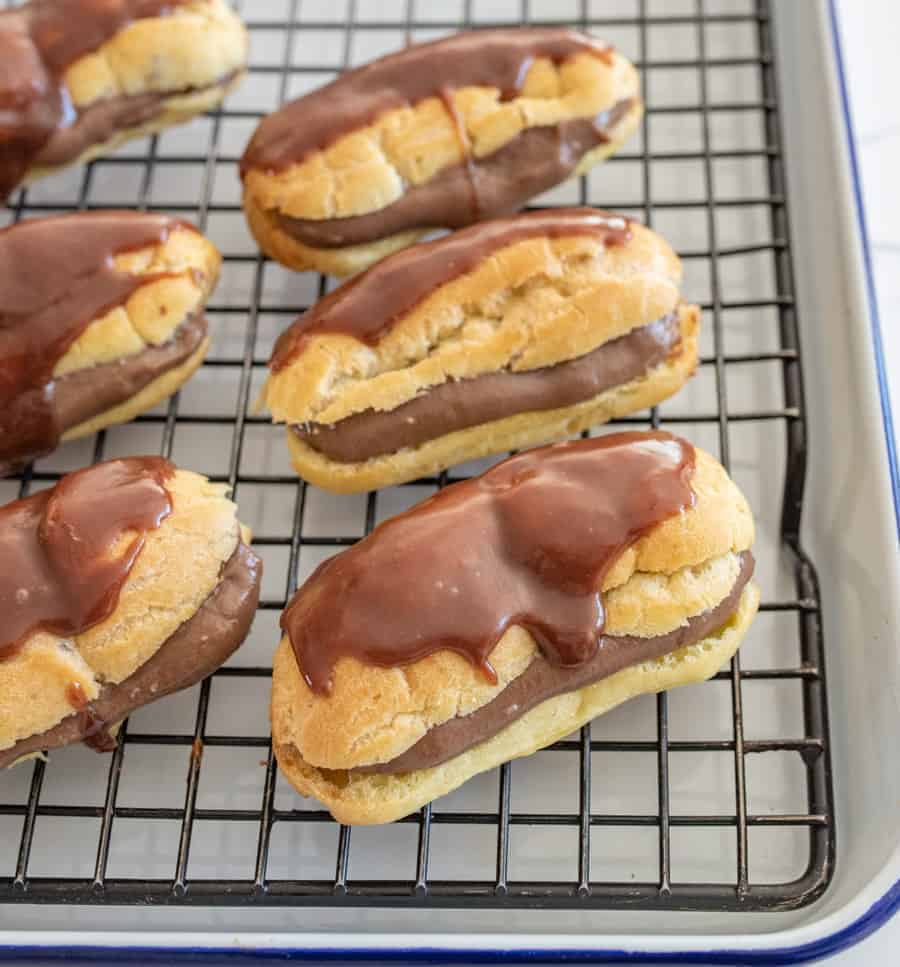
<point x="868" y="39"/>
<point x="868" y="34"/>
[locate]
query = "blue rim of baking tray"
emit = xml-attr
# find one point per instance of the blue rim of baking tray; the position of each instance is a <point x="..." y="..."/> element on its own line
<point x="874" y="917"/>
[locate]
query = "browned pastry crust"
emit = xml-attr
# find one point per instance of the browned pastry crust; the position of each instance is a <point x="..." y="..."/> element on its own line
<point x="682" y="568"/>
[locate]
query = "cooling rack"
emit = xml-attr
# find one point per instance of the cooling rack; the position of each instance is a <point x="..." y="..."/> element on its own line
<point x="715" y="797"/>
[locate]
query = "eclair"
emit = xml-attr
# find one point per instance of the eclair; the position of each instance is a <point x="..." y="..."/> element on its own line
<point x="123" y="583"/>
<point x="505" y="612"/>
<point x="101" y="318"/>
<point x="503" y="335"/>
<point x="78" y="78"/>
<point x="439" y="135"/>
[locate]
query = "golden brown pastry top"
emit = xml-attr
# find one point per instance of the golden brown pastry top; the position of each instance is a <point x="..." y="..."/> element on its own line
<point x="355" y="146"/>
<point x="115" y="283"/>
<point x="172" y="569"/>
<point x="533" y="302"/>
<point x="61" y="56"/>
<point x="681" y="567"/>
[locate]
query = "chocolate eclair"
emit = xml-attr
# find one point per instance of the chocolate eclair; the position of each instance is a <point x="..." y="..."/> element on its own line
<point x="503" y="335"/>
<point x="80" y="77"/>
<point x="505" y="612"/>
<point x="121" y="584"/>
<point x="439" y="135"/>
<point x="101" y="318"/>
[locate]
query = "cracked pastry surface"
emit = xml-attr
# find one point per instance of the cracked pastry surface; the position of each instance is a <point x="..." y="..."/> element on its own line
<point x="48" y="676"/>
<point x="503" y="298"/>
<point x="438" y="135"/>
<point x="683" y="567"/>
<point x="107" y="329"/>
<point x="84" y="77"/>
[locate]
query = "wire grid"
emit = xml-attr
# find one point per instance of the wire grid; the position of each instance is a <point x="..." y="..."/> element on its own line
<point x="509" y="829"/>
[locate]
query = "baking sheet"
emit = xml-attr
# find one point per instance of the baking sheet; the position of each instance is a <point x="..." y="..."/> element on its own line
<point x="840" y="527"/>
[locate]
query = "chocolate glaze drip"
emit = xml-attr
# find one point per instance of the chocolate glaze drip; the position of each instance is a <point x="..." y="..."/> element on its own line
<point x="543" y="680"/>
<point x="57" y="275"/>
<point x="194" y="651"/>
<point x="62" y="557"/>
<point x="458" y="404"/>
<point x="528" y="543"/>
<point x="532" y="162"/>
<point x="38" y="43"/>
<point x="480" y="58"/>
<point x="368" y="306"/>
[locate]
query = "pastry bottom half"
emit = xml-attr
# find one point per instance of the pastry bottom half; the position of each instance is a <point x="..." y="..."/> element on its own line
<point x="365" y="798"/>
<point x="161" y="388"/>
<point x="498" y="436"/>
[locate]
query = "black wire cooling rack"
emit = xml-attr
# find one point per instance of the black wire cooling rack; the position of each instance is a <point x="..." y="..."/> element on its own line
<point x="670" y="39"/>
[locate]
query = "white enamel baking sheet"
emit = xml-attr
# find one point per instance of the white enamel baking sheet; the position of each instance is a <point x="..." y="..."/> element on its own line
<point x="849" y="529"/>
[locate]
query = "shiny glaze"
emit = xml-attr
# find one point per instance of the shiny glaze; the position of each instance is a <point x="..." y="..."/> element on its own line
<point x="480" y="58"/>
<point x="57" y="275"/>
<point x="38" y="43"/>
<point x="66" y="552"/>
<point x="528" y="543"/>
<point x="368" y="306"/>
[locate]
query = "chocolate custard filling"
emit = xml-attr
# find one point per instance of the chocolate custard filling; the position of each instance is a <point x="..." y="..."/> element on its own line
<point x="532" y="162"/>
<point x="99" y="122"/>
<point x="192" y="653"/>
<point x="458" y="404"/>
<point x="85" y="393"/>
<point x="543" y="680"/>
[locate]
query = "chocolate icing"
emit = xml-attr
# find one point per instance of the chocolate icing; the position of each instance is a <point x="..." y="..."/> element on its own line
<point x="532" y="162"/>
<point x="194" y="651"/>
<point x="458" y="404"/>
<point x="367" y="307"/>
<point x="38" y="43"/>
<point x="85" y="393"/>
<point x="528" y="543"/>
<point x="61" y="563"/>
<point x="479" y="58"/>
<point x="543" y="680"/>
<point x="57" y="275"/>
